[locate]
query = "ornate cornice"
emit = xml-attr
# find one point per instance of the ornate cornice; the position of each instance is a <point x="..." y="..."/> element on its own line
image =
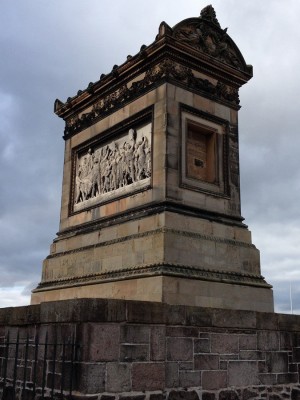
<point x="159" y="269"/>
<point x="165" y="71"/>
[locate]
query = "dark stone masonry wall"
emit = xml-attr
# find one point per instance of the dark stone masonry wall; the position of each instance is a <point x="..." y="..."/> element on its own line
<point x="114" y="349"/>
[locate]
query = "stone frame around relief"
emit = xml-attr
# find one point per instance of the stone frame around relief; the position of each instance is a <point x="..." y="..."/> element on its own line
<point x="204" y="146"/>
<point x="134" y="136"/>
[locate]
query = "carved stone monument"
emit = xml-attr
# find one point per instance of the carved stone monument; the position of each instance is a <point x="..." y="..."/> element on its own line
<point x="151" y="196"/>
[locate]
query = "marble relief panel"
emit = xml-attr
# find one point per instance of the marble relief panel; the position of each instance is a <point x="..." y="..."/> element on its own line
<point x="113" y="168"/>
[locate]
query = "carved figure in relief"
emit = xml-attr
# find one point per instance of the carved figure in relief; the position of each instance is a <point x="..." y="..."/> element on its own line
<point x="114" y="167"/>
<point x="109" y="168"/>
<point x="148" y="161"/>
<point x="140" y="160"/>
<point x="130" y="158"/>
<point x="105" y="170"/>
<point x="120" y="167"/>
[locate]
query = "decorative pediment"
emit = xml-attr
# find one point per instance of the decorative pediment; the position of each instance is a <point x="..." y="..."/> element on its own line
<point x="205" y="34"/>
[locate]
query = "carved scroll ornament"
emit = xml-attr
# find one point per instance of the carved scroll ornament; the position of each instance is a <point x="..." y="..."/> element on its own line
<point x="205" y="34"/>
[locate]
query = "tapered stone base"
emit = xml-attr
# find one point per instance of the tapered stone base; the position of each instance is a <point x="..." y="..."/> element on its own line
<point x="170" y="290"/>
<point x="168" y="257"/>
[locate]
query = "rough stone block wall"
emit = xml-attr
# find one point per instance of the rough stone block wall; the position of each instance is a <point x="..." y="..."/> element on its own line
<point x="140" y="350"/>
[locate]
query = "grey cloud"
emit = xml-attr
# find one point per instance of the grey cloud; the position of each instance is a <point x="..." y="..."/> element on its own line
<point x="52" y="49"/>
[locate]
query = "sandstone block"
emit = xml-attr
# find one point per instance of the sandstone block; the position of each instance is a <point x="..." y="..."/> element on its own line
<point x="222" y="344"/>
<point x="247" y="342"/>
<point x="267" y="340"/>
<point x="103" y="342"/>
<point x="214" y="380"/>
<point x="148" y="376"/>
<point x="287" y="378"/>
<point x="251" y="355"/>
<point x="134" y="352"/>
<point x="296" y="354"/>
<point x="287" y="340"/>
<point x="206" y="361"/>
<point x="172" y="375"/>
<point x="199" y="316"/>
<point x="145" y="312"/>
<point x="90" y="378"/>
<point x="202" y="346"/>
<point x="157" y="343"/>
<point x="234" y="318"/>
<point x="277" y="362"/>
<point x="242" y="373"/>
<point x="118" y="378"/>
<point x="135" y="334"/>
<point x="188" y="379"/>
<point x="179" y="349"/>
<point x="182" y="331"/>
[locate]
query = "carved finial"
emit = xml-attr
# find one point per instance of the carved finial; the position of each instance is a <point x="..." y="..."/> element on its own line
<point x="58" y="104"/>
<point x="143" y="50"/>
<point x="114" y="71"/>
<point x="208" y="13"/>
<point x="164" y="29"/>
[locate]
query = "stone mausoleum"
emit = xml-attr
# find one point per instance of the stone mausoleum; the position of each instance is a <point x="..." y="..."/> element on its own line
<point x="153" y="287"/>
<point x="151" y="186"/>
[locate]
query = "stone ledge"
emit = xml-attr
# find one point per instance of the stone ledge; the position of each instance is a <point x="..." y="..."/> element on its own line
<point x="108" y="310"/>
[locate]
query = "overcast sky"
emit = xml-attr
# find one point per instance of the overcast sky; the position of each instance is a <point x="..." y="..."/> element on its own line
<point x="51" y="49"/>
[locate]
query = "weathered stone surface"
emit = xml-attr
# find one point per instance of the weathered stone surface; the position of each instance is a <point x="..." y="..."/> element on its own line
<point x="232" y="318"/>
<point x="158" y="343"/>
<point x="202" y="346"/>
<point x="228" y="395"/>
<point x="224" y="343"/>
<point x="199" y="316"/>
<point x="251" y="355"/>
<point x="214" y="380"/>
<point x="206" y="361"/>
<point x="103" y="342"/>
<point x="287" y="378"/>
<point x="172" y="375"/>
<point x="135" y="334"/>
<point x="134" y="352"/>
<point x="277" y="362"/>
<point x="267" y="340"/>
<point x="188" y="379"/>
<point x="148" y="376"/>
<point x="179" y="349"/>
<point x="268" y="379"/>
<point x="183" y="395"/>
<point x="266" y="361"/>
<point x="248" y="342"/>
<point x="242" y="373"/>
<point x="118" y="378"/>
<point x="90" y="378"/>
